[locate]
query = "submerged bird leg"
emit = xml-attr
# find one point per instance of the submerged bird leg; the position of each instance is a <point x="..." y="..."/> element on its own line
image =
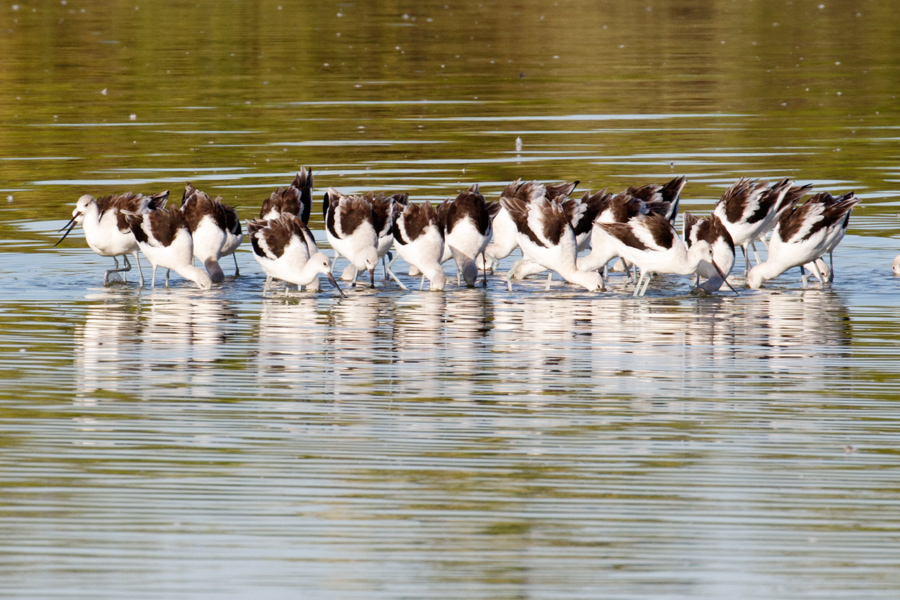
<point x="637" y="285"/>
<point x="168" y="272"/>
<point x="646" y="283"/>
<point x="355" y="275"/>
<point x="511" y="272"/>
<point x="830" y="267"/>
<point x="153" y="280"/>
<point x="422" y="284"/>
<point x="803" y="276"/>
<point x="391" y="273"/>
<point x="483" y="259"/>
<point x="549" y="279"/>
<point x="127" y="267"/>
<point x="237" y="272"/>
<point x="334" y="262"/>
<point x="458" y="282"/>
<point x="268" y="281"/>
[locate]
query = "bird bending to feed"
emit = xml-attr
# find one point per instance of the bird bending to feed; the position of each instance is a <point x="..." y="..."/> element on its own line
<point x="285" y="249"/>
<point x="419" y="237"/>
<point x="467" y="232"/>
<point x="165" y="239"/>
<point x="803" y="234"/>
<point x="350" y="228"/>
<point x="296" y="199"/>
<point x="382" y="219"/>
<point x="208" y="222"/>
<point x="545" y="234"/>
<point x="835" y="238"/>
<point x="749" y="210"/>
<point x="106" y="229"/>
<point x="650" y="242"/>
<point x="714" y="232"/>
<point x="504" y="239"/>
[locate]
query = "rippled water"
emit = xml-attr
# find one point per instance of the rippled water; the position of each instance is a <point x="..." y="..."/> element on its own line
<point x="466" y="444"/>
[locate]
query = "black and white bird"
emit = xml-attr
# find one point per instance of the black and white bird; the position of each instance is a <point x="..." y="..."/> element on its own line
<point x="546" y="236"/>
<point x="467" y="232"/>
<point x="803" y="234"/>
<point x="350" y="228"/>
<point x="208" y="222"/>
<point x="712" y="231"/>
<point x="749" y="210"/>
<point x="419" y="239"/>
<point x="165" y="239"/>
<point x="650" y="242"/>
<point x="106" y="228"/>
<point x="285" y="249"/>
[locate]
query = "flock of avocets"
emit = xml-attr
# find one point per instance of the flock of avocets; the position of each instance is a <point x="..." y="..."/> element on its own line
<point x="548" y="223"/>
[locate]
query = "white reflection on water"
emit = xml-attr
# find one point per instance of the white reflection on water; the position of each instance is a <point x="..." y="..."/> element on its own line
<point x="454" y="345"/>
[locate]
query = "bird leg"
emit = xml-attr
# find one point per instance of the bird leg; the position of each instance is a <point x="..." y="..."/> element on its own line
<point x="153" y="281"/>
<point x="509" y="274"/>
<point x="746" y="259"/>
<point x="384" y="264"/>
<point x="803" y="276"/>
<point x="140" y="272"/>
<point x="355" y="275"/>
<point x="422" y="284"/>
<point x="237" y="272"/>
<point x="646" y="283"/>
<point x="549" y="279"/>
<point x="755" y="253"/>
<point x="483" y="259"/>
<point x="168" y="272"/>
<point x="127" y="267"/>
<point x="637" y="286"/>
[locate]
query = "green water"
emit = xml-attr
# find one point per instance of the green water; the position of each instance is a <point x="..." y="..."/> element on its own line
<point x="466" y="444"/>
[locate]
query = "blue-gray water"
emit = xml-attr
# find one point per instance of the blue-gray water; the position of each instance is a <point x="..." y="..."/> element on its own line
<point x="465" y="444"/>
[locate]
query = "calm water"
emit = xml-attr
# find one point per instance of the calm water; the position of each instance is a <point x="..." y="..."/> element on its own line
<point x="465" y="444"/>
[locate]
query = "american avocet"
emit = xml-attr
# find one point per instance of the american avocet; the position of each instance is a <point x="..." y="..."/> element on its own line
<point x="650" y="242"/>
<point x="382" y="218"/>
<point x="545" y="235"/>
<point x="106" y="230"/>
<point x="581" y="214"/>
<point x="282" y="248"/>
<point x="835" y="237"/>
<point x="419" y="238"/>
<point x="504" y="239"/>
<point x="165" y="239"/>
<point x="350" y="228"/>
<point x="467" y="232"/>
<point x="803" y="234"/>
<point x="208" y="224"/>
<point x="233" y="235"/>
<point x="505" y="233"/>
<point x="713" y="232"/>
<point x="620" y="208"/>
<point x="749" y="210"/>
<point x="661" y="199"/>
<point x="295" y="199"/>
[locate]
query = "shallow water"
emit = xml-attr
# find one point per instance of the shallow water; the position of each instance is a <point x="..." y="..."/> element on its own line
<point x="465" y="444"/>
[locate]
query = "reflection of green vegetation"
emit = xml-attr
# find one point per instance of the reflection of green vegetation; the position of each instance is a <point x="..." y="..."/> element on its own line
<point x="167" y="63"/>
